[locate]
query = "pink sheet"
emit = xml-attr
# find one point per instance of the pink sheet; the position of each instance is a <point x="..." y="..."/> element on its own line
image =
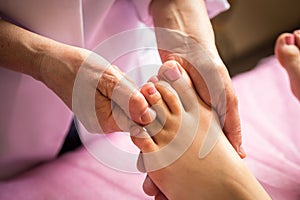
<point x="270" y="124"/>
<point x="270" y="117"/>
<point x="77" y="176"/>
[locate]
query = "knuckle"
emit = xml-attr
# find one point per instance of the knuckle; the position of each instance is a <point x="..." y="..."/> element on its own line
<point x="107" y="82"/>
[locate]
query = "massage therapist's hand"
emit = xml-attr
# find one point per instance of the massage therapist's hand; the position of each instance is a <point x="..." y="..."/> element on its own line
<point x="189" y="18"/>
<point x="57" y="66"/>
<point x="97" y="92"/>
<point x="188" y="38"/>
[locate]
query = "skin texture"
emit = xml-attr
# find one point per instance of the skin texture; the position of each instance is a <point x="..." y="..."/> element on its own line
<point x="287" y="51"/>
<point x="178" y="15"/>
<point x="220" y="175"/>
<point x="56" y="65"/>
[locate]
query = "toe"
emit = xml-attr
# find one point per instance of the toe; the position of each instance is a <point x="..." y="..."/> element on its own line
<point x="165" y="102"/>
<point x="150" y="93"/>
<point x="297" y="38"/>
<point x="169" y="97"/>
<point x="286" y="50"/>
<point x="171" y="71"/>
<point x="142" y="140"/>
<point x="177" y="77"/>
<point x="153" y="79"/>
<point x="155" y="100"/>
<point x="288" y="53"/>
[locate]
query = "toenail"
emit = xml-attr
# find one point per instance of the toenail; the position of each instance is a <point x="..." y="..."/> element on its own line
<point x="290" y="40"/>
<point x="172" y="74"/>
<point x="151" y="90"/>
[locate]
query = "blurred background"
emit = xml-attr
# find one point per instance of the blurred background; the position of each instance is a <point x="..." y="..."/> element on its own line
<point x="247" y="32"/>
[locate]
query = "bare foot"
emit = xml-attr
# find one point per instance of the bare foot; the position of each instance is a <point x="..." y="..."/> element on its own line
<point x="287" y="50"/>
<point x="221" y="174"/>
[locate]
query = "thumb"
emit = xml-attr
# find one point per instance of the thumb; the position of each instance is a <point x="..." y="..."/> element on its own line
<point x="232" y="125"/>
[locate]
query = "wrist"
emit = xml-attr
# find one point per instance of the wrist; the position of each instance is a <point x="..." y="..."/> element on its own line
<point x="58" y="67"/>
<point x="181" y="35"/>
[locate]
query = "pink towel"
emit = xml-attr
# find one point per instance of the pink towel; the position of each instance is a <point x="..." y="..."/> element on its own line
<point x="270" y="117"/>
<point x="270" y="124"/>
<point x="77" y="176"/>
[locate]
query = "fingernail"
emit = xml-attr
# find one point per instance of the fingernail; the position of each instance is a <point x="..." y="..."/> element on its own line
<point x="242" y="152"/>
<point x="148" y="116"/>
<point x="172" y="74"/>
<point x="151" y="90"/>
<point x="290" y="40"/>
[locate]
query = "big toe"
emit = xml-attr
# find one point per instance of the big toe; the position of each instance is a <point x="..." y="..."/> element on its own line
<point x="173" y="73"/>
<point x="287" y="51"/>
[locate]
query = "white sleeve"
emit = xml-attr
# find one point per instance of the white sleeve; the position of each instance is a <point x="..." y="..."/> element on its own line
<point x="214" y="7"/>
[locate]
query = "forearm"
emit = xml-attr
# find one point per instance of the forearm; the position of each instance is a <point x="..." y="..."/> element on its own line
<point x="189" y="17"/>
<point x="53" y="63"/>
<point x="18" y="50"/>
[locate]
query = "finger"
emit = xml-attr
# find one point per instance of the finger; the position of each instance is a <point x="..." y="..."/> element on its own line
<point x="232" y="125"/>
<point x="149" y="187"/>
<point x="227" y="109"/>
<point x="104" y="115"/>
<point x="217" y="91"/>
<point x="116" y="86"/>
<point x="160" y="196"/>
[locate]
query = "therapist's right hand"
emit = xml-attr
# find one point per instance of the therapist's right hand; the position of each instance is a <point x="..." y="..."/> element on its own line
<point x="80" y="78"/>
<point x="100" y="94"/>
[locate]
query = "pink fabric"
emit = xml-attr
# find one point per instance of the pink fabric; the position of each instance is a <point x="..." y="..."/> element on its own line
<point x="33" y="120"/>
<point x="29" y="123"/>
<point x="270" y="123"/>
<point x="60" y="20"/>
<point x="76" y="175"/>
<point x="270" y="117"/>
<point x="270" y="120"/>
